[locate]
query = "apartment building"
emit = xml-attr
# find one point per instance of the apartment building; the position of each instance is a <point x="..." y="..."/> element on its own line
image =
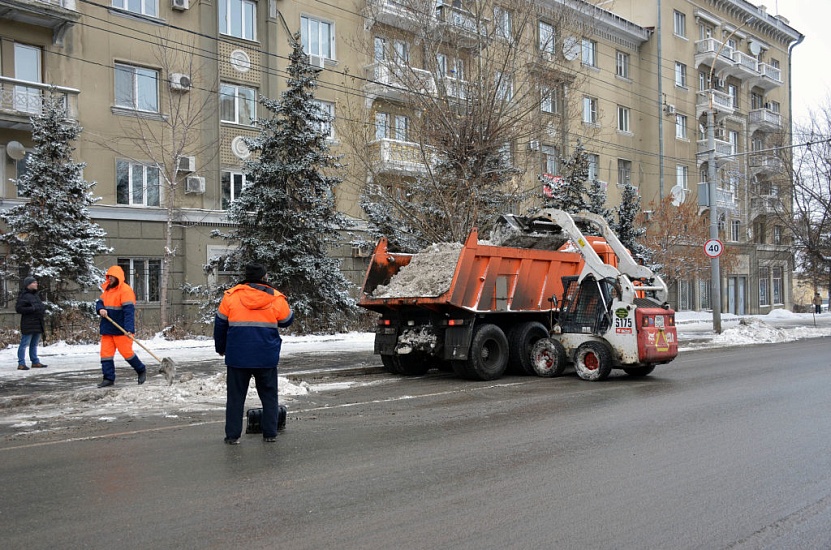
<point x="166" y="90"/>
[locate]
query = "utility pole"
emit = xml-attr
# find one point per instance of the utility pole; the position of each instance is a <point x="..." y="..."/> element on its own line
<point x="712" y="187"/>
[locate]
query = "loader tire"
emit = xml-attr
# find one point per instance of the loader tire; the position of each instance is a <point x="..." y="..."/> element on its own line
<point x="639" y="372"/>
<point x="391" y="364"/>
<point x="488" y="356"/>
<point x="413" y="364"/>
<point x="521" y="339"/>
<point x="593" y="361"/>
<point x="548" y="358"/>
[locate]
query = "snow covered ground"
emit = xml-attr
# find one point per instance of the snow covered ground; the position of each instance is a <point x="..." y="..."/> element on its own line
<point x="207" y="392"/>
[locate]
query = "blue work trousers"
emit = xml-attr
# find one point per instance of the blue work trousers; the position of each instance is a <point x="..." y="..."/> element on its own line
<point x="238" y="380"/>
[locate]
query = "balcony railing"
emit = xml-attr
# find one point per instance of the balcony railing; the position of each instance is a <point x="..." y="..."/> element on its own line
<point x="725" y="199"/>
<point x="392" y="156"/>
<point x="722" y="102"/>
<point x="765" y="205"/>
<point x="760" y="119"/>
<point x="769" y="77"/>
<point x="713" y="53"/>
<point x="764" y="162"/>
<point x="746" y="65"/>
<point x="20" y="100"/>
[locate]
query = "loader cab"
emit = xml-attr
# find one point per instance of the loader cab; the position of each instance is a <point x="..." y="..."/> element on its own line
<point x="585" y="308"/>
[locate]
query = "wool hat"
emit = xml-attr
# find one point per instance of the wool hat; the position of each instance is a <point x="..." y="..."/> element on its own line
<point x="28" y="280"/>
<point x="254" y="272"/>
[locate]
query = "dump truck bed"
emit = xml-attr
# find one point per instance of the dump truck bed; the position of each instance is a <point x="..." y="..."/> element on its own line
<point x="474" y="276"/>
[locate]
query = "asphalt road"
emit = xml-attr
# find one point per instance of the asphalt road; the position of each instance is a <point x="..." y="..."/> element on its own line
<point x="723" y="448"/>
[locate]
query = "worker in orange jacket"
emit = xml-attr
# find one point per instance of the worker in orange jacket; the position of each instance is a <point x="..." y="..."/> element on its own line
<point x="117" y="302"/>
<point x="246" y="334"/>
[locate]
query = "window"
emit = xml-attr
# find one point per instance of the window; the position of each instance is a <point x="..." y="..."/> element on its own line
<point x="401" y="51"/>
<point x="776" y="287"/>
<point x="137" y="184"/>
<point x="327" y="127"/>
<point x="317" y="37"/>
<point x="680" y="74"/>
<point x="392" y="127"/>
<point x="548" y="102"/>
<point x="237" y="104"/>
<point x="681" y="126"/>
<point x="735" y="230"/>
<point x="764" y="286"/>
<point x="144" y="7"/>
<point x="136" y="88"/>
<point x="624" y="171"/>
<point x="238" y="18"/>
<point x="704" y="294"/>
<point x="550" y="158"/>
<point x="546" y="43"/>
<point x="504" y="86"/>
<point x="21" y="169"/>
<point x="733" y="138"/>
<point x="144" y="276"/>
<point x="590" y="110"/>
<point x="231" y="185"/>
<point x="594" y="166"/>
<point x="777" y="234"/>
<point x="733" y="93"/>
<point x="774" y="106"/>
<point x="705" y="31"/>
<point x="589" y="52"/>
<point x="382" y="125"/>
<point x="756" y="101"/>
<point x="679" y="24"/>
<point x="623" y="119"/>
<point x="682" y="176"/>
<point x="622" y="69"/>
<point x="683" y="294"/>
<point x="759" y="234"/>
<point x="502" y="22"/>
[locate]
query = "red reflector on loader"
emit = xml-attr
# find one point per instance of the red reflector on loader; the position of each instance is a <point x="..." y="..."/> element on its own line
<point x="385" y="322"/>
<point x="455" y="322"/>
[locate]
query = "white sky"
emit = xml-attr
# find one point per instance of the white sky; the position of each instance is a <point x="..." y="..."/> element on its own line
<point x="811" y="79"/>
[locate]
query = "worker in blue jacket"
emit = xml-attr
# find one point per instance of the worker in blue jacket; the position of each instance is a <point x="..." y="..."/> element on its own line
<point x="246" y="334"/>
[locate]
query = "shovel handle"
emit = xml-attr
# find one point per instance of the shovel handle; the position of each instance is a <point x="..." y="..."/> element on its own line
<point x="119" y="327"/>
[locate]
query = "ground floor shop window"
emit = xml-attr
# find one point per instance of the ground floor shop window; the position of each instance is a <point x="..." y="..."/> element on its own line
<point x="776" y="286"/>
<point x="764" y="286"/>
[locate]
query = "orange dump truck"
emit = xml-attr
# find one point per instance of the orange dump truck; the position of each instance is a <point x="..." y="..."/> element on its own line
<point x="480" y="308"/>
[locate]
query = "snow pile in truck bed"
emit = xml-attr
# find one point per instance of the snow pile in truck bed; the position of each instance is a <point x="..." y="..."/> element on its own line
<point x="429" y="273"/>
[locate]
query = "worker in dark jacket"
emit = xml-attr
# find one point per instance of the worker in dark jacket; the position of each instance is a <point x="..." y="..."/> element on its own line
<point x="31" y="309"/>
<point x="246" y="333"/>
<point x="117" y="302"/>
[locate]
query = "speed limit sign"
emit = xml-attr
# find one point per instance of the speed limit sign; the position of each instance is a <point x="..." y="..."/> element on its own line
<point x="713" y="248"/>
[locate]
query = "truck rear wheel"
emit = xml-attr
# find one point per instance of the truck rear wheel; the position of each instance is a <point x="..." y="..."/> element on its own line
<point x="521" y="339"/>
<point x="488" y="355"/>
<point x="593" y="361"/>
<point x="548" y="358"/>
<point x="639" y="372"/>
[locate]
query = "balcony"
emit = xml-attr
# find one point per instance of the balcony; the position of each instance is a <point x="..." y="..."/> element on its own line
<point x="770" y="77"/>
<point x="765" y="163"/>
<point x="725" y="200"/>
<point x="765" y="205"/>
<point x="724" y="152"/>
<point x="722" y="103"/>
<point x="20" y="100"/>
<point x="394" y="82"/>
<point x="57" y="15"/>
<point x="764" y="120"/>
<point x="744" y="66"/>
<point x="401" y="14"/>
<point x="462" y="24"/>
<point x="401" y="158"/>
<point x="714" y="54"/>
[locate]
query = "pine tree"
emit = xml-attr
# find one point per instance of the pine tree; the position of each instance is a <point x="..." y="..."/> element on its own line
<point x="627" y="228"/>
<point x="570" y="194"/>
<point x="51" y="234"/>
<point x="286" y="218"/>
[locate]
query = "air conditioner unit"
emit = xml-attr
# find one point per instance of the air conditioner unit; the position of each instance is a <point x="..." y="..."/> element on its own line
<point x="194" y="184"/>
<point x="669" y="109"/>
<point x="533" y="145"/>
<point x="316" y="61"/>
<point x="186" y="164"/>
<point x="180" y="82"/>
<point x="180" y="5"/>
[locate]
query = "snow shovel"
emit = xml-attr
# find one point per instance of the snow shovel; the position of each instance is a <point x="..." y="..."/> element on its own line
<point x="168" y="366"/>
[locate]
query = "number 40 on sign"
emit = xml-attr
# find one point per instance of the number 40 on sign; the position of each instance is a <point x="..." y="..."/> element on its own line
<point x="713" y="248"/>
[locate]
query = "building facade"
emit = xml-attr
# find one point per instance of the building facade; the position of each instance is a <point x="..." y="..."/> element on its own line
<point x="165" y="90"/>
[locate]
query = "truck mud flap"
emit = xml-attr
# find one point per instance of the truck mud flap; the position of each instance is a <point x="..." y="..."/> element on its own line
<point x="457" y="342"/>
<point x="385" y="343"/>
